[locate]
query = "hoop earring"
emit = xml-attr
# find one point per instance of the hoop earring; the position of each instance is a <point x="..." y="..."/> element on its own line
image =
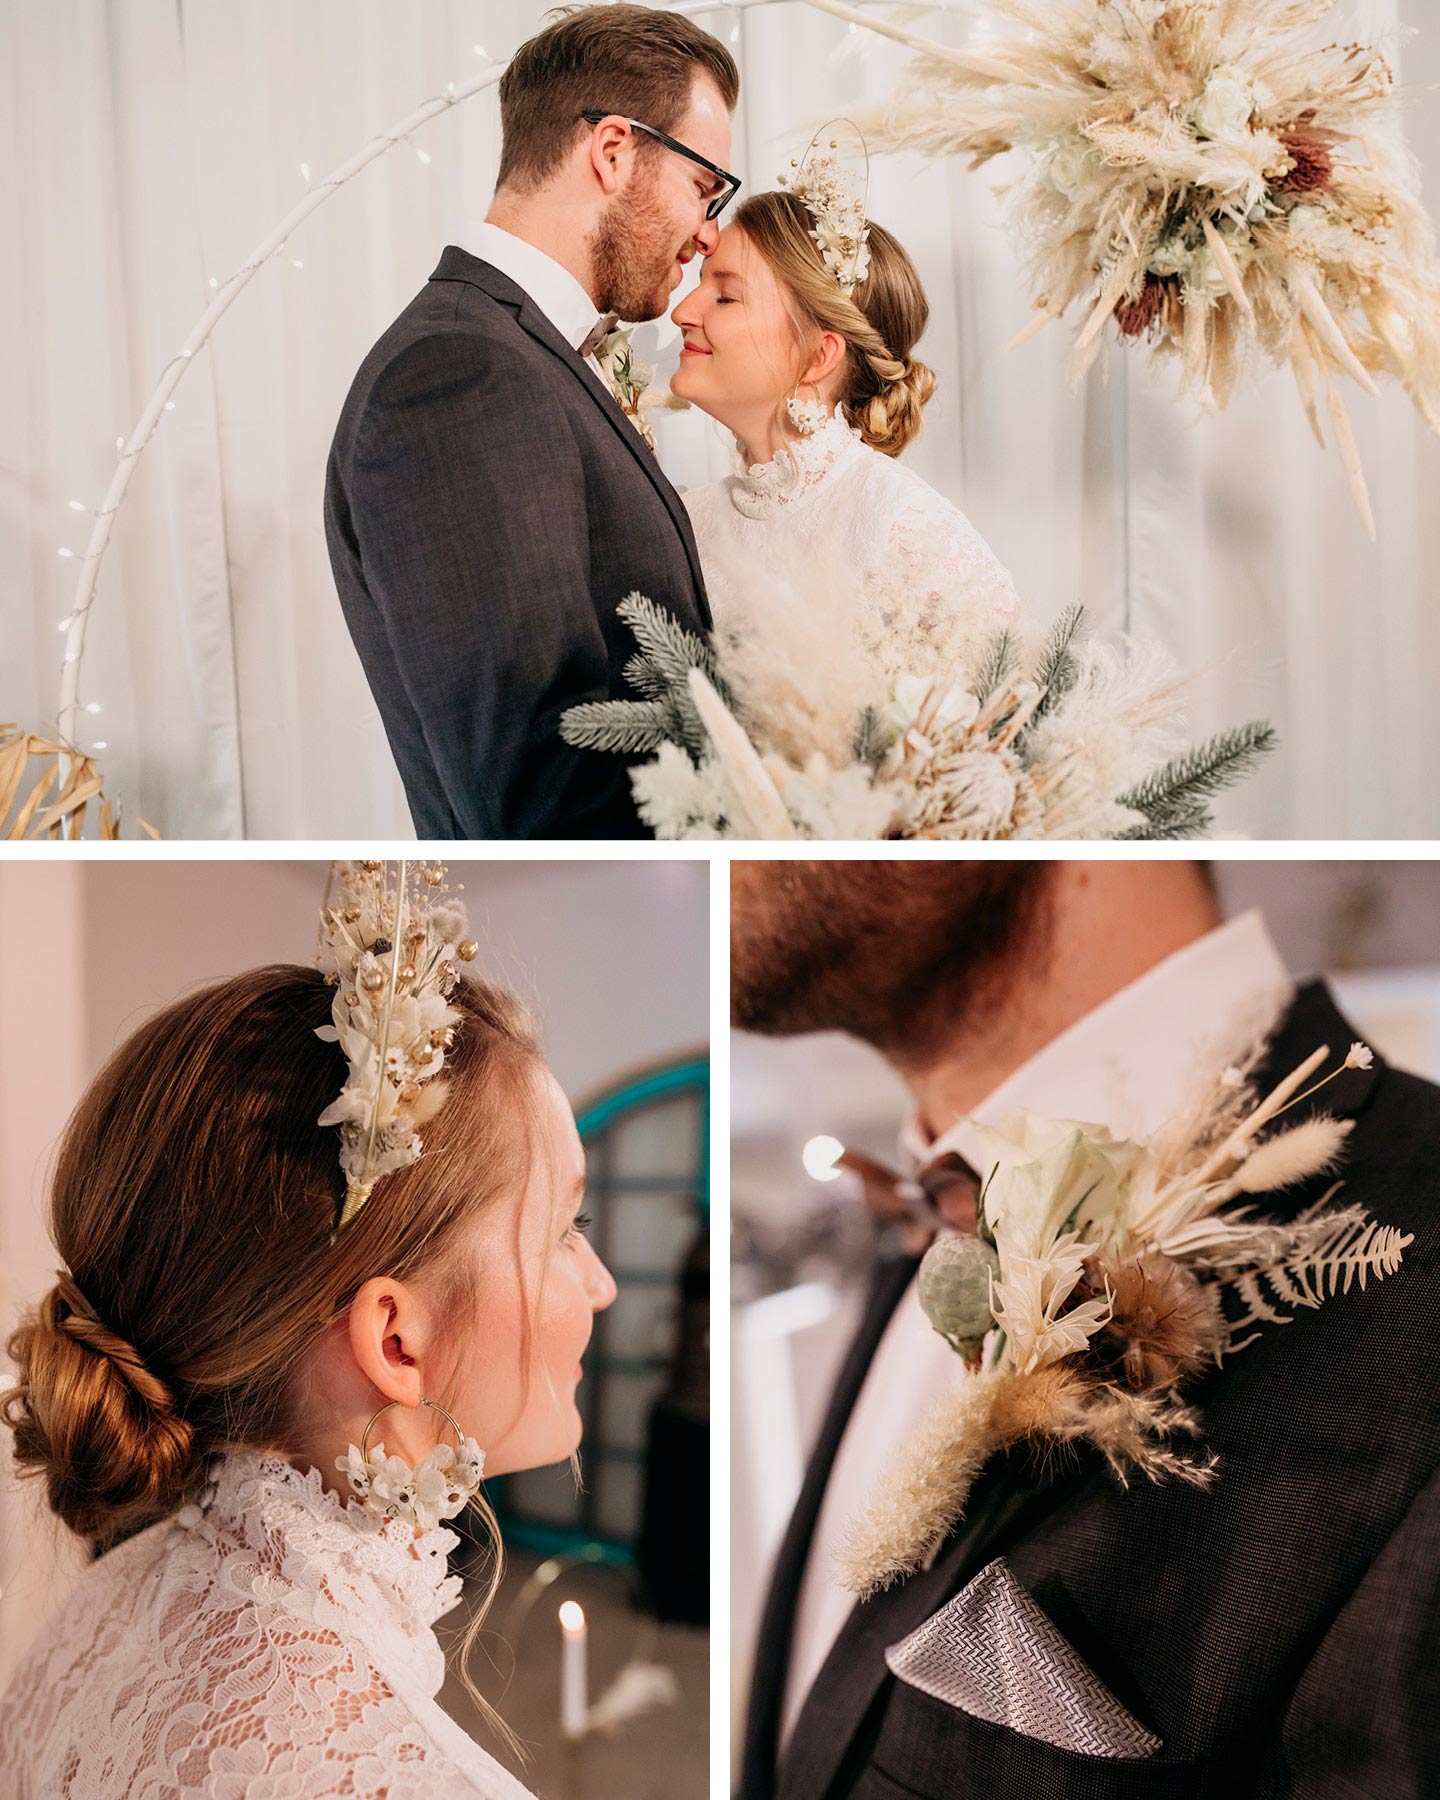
<point x="807" y="416"/>
<point x="436" y="1489"/>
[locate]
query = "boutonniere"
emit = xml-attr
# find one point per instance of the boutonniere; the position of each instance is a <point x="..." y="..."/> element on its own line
<point x="1102" y="1276"/>
<point x="628" y="377"/>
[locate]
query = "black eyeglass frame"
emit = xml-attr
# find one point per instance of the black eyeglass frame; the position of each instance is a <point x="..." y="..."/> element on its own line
<point x="718" y="202"/>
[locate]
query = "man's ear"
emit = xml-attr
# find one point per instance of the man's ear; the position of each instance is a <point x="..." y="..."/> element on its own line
<point x="612" y="148"/>
<point x="387" y="1339"/>
<point x="827" y="358"/>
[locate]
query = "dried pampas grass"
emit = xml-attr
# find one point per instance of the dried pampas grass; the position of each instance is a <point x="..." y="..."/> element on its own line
<point x="1218" y="177"/>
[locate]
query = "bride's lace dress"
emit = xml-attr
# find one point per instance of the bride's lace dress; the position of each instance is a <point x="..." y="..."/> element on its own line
<point x="931" y="587"/>
<point x="277" y="1642"/>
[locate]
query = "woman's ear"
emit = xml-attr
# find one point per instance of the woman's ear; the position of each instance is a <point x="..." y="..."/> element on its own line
<point x="829" y="354"/>
<point x="387" y="1339"/>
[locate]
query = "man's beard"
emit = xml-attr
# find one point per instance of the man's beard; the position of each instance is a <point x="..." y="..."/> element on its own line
<point x="891" y="952"/>
<point x="631" y="256"/>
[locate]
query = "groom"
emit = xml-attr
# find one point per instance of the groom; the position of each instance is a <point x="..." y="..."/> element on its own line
<point x="1275" y="1635"/>
<point x="487" y="502"/>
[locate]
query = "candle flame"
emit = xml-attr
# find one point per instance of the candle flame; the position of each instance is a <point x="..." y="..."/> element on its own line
<point x="572" y="1616"/>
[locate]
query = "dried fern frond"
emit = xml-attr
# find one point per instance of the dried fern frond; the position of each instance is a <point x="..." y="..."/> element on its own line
<point x="55" y="804"/>
<point x="1347" y="1248"/>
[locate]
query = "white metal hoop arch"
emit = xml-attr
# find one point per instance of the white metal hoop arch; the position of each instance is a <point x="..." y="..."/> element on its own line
<point x="229" y="290"/>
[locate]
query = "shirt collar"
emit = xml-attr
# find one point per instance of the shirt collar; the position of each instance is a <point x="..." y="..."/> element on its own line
<point x="549" y="284"/>
<point x="1127" y="1064"/>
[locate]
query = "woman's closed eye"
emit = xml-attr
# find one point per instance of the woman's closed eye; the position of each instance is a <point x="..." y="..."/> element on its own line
<point x="577" y="1228"/>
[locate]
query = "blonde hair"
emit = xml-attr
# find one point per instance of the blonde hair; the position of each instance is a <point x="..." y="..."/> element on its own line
<point x="193" y="1201"/>
<point x="885" y="387"/>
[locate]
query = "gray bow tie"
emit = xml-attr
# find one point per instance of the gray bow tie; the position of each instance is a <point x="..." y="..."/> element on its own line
<point x="598" y="332"/>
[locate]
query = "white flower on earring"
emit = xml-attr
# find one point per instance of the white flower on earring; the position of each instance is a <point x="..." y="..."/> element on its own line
<point x="808" y="416"/>
<point x="435" y="1490"/>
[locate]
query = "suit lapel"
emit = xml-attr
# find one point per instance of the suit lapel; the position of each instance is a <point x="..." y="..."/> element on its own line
<point x="458" y="265"/>
<point x="1008" y="1500"/>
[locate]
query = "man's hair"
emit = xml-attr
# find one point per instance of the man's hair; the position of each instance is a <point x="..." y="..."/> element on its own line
<point x="622" y="59"/>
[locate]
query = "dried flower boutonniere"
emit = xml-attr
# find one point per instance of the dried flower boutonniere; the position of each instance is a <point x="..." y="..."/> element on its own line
<point x="1101" y="1277"/>
<point x="628" y="377"/>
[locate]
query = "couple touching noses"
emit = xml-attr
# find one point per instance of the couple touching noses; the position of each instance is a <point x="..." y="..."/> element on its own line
<point x="490" y="502"/>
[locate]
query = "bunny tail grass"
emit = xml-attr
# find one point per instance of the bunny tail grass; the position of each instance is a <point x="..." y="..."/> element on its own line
<point x="918" y="1503"/>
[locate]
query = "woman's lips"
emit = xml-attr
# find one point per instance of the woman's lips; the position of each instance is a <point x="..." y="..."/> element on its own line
<point x="694" y="350"/>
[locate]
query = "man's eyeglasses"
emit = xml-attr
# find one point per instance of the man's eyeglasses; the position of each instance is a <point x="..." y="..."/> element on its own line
<point x="729" y="184"/>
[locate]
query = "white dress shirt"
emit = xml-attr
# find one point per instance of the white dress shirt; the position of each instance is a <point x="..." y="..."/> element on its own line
<point x="552" y="287"/>
<point x="1127" y="1065"/>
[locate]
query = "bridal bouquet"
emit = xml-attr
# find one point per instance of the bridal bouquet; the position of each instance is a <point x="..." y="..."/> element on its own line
<point x="801" y="734"/>
<point x="1214" y="175"/>
<point x="1102" y="1276"/>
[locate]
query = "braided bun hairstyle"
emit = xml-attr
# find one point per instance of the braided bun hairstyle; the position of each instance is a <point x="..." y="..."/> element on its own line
<point x="885" y="388"/>
<point x="193" y="1200"/>
<point x="99" y="1424"/>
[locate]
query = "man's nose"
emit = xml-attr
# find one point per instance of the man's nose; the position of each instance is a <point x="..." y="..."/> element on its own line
<point x="707" y="237"/>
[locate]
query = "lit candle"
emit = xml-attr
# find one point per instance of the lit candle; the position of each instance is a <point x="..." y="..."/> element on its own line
<point x="574" y="1701"/>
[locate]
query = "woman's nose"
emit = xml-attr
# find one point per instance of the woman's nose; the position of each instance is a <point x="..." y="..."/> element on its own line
<point x="684" y="313"/>
<point x="601" y="1285"/>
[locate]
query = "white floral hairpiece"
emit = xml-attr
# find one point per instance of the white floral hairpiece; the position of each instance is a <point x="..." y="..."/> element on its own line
<point x="390" y="952"/>
<point x="837" y="205"/>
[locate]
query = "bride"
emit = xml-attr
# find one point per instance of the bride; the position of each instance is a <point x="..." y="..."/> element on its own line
<point x="244" y="1293"/>
<point x="806" y="356"/>
<point x="870" y="675"/>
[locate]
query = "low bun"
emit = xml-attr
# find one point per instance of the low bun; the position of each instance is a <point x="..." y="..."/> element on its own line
<point x="91" y="1418"/>
<point x="891" y="418"/>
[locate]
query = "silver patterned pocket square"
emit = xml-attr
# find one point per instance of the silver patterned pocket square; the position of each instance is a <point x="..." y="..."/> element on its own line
<point x="993" y="1653"/>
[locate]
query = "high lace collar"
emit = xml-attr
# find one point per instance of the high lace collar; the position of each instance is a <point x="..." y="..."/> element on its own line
<point x="291" y="1519"/>
<point x="758" y="490"/>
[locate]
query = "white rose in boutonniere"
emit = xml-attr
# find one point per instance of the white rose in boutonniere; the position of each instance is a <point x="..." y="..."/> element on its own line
<point x="1046" y="1175"/>
<point x="628" y="378"/>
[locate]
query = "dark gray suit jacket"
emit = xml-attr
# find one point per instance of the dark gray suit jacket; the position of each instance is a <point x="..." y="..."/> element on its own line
<point x="1280" y="1631"/>
<point x="487" y="506"/>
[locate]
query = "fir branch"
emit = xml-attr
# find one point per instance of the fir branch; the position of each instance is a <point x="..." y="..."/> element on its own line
<point x="625" y="726"/>
<point x="1199" y="774"/>
<point x="999" y="660"/>
<point x="645" y="678"/>
<point x="872" y="737"/>
<point x="670" y="648"/>
<point x="1185" y="822"/>
<point x="1057" y="668"/>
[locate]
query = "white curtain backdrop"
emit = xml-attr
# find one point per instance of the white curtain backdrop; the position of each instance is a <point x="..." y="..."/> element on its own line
<point x="150" y="146"/>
